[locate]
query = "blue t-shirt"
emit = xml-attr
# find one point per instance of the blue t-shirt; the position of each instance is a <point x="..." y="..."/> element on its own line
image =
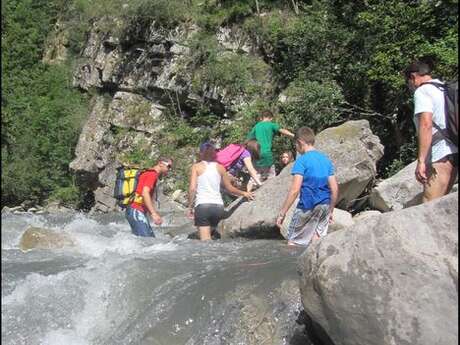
<point x="315" y="167"/>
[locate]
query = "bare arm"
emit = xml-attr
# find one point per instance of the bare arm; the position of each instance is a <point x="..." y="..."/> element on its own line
<point x="290" y="198"/>
<point x="192" y="188"/>
<point x="424" y="145"/>
<point x="334" y="187"/>
<point x="148" y="203"/>
<point x="248" y="163"/>
<point x="286" y="132"/>
<point x="228" y="184"/>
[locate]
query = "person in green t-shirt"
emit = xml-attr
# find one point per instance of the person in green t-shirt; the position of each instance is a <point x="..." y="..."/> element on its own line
<point x="263" y="132"/>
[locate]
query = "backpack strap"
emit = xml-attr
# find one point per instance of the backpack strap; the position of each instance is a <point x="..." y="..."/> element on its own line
<point x="440" y="132"/>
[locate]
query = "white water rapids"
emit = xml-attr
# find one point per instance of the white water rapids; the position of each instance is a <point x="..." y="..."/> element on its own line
<point x="115" y="288"/>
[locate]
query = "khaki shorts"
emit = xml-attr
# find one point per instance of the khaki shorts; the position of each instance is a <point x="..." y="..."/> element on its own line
<point x="304" y="224"/>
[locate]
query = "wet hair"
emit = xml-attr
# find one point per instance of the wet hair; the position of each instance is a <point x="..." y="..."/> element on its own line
<point x="207" y="152"/>
<point x="306" y="134"/>
<point x="254" y="149"/>
<point x="266" y="114"/>
<point x="419" y="67"/>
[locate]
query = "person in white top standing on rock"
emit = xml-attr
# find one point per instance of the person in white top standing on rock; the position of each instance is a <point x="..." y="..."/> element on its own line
<point x="205" y="201"/>
<point x="437" y="162"/>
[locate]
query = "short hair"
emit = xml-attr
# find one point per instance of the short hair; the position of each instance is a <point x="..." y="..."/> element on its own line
<point x="207" y="152"/>
<point x="306" y="134"/>
<point x="419" y="67"/>
<point x="254" y="148"/>
<point x="266" y="113"/>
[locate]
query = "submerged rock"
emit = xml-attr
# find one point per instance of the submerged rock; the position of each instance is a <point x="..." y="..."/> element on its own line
<point x="389" y="279"/>
<point x="40" y="238"/>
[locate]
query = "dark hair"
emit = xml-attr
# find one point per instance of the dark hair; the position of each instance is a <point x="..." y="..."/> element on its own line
<point x="289" y="153"/>
<point x="207" y="152"/>
<point x="419" y="67"/>
<point x="266" y="113"/>
<point x="306" y="134"/>
<point x="254" y="148"/>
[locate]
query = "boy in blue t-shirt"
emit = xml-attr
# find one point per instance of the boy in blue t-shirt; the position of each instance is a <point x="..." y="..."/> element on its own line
<point x="314" y="179"/>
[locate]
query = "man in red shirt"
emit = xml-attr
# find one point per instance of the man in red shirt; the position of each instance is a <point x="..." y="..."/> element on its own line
<point x="138" y="212"/>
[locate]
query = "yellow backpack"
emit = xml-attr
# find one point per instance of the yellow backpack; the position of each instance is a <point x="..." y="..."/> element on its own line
<point x="125" y="185"/>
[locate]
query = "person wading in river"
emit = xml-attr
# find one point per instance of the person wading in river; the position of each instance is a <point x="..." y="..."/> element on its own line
<point x="142" y="206"/>
<point x="206" y="205"/>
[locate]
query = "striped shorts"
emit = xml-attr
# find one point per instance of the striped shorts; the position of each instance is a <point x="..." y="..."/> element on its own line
<point x="304" y="224"/>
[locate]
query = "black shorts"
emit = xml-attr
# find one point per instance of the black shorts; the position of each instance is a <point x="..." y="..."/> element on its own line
<point x="208" y="214"/>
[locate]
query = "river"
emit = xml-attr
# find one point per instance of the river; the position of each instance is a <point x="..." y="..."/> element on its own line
<point x="111" y="287"/>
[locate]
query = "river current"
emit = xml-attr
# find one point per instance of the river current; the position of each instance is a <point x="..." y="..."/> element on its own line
<point x="111" y="287"/>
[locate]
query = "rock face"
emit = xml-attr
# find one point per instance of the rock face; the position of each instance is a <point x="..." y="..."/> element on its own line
<point x="354" y="151"/>
<point x="39" y="238"/>
<point x="138" y="70"/>
<point x="389" y="279"/>
<point x="397" y="192"/>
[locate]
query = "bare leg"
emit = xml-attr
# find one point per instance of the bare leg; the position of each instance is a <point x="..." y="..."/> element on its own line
<point x="440" y="181"/>
<point x="204" y="232"/>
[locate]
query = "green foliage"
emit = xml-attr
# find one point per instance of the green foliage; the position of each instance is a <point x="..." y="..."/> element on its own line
<point x="41" y="112"/>
<point x="67" y="196"/>
<point x="312" y="104"/>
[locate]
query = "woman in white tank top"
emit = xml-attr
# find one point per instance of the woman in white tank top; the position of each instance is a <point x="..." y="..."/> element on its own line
<point x="205" y="201"/>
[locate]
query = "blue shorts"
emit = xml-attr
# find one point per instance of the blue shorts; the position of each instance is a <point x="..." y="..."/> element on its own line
<point x="140" y="225"/>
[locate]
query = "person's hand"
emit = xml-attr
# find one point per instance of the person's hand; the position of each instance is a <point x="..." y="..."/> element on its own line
<point x="157" y="219"/>
<point x="248" y="195"/>
<point x="280" y="219"/>
<point x="331" y="217"/>
<point x="420" y="172"/>
<point x="190" y="213"/>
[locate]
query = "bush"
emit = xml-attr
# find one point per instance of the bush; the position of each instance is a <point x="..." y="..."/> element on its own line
<point x="312" y="104"/>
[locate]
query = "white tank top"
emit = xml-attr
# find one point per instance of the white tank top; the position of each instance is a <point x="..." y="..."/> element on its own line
<point x="208" y="186"/>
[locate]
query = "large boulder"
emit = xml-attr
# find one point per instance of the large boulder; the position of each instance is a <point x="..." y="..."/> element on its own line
<point x="397" y="192"/>
<point x="40" y="238"/>
<point x="389" y="279"/>
<point x="354" y="151"/>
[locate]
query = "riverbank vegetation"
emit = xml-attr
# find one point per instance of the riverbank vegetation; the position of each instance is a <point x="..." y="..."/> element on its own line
<point x="331" y="61"/>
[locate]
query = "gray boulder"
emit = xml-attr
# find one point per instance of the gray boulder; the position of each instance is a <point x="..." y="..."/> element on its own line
<point x="366" y="214"/>
<point x="354" y="151"/>
<point x="397" y="192"/>
<point x="389" y="279"/>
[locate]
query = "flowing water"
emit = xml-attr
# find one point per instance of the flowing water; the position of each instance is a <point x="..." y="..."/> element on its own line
<point x="111" y="287"/>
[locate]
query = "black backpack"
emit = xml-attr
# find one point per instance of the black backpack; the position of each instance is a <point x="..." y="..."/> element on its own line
<point x="450" y="133"/>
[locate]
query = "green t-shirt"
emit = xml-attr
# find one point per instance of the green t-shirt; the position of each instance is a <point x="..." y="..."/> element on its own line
<point x="263" y="132"/>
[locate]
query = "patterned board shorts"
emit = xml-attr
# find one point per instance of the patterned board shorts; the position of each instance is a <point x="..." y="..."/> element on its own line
<point x="139" y="222"/>
<point x="304" y="224"/>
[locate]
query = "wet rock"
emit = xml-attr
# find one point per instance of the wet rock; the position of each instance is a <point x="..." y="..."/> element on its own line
<point x="40" y="238"/>
<point x="389" y="279"/>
